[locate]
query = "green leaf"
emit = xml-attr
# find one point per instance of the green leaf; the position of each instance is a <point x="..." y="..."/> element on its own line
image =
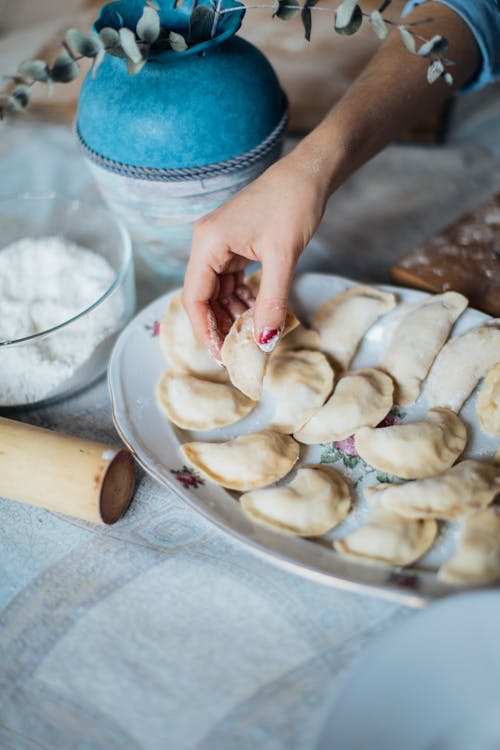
<point x="109" y="37"/>
<point x="148" y="26"/>
<point x="286" y="9"/>
<point x="379" y="25"/>
<point x="134" y="68"/>
<point x="330" y="454"/>
<point x="201" y="24"/>
<point x="448" y="79"/>
<point x="97" y="61"/>
<point x="177" y="42"/>
<point x="64" y="69"/>
<point x="408" y="39"/>
<point x="348" y="17"/>
<point x="307" y="18"/>
<point x="19" y="98"/>
<point x="82" y="44"/>
<point x="129" y="45"/>
<point x="435" y="71"/>
<point x="34" y="70"/>
<point x="435" y="47"/>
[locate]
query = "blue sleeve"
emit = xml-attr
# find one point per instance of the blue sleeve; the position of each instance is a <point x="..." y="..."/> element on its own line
<point x="483" y="19"/>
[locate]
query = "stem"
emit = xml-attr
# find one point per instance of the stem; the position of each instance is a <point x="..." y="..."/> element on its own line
<point x="216" y="18"/>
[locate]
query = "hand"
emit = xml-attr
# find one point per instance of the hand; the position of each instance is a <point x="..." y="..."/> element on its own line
<point x="271" y="221"/>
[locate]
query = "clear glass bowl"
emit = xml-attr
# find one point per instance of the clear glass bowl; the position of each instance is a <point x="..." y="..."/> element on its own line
<point x="59" y="361"/>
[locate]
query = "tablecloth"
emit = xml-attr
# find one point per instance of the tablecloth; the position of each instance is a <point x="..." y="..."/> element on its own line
<point x="161" y="631"/>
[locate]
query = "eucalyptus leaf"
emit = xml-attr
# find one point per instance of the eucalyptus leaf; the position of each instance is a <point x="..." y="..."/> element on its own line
<point x="98" y="61"/>
<point x="148" y="26"/>
<point x="287" y="9"/>
<point x="448" y="79"/>
<point x="64" y="69"/>
<point x="408" y="39"/>
<point x="436" y="46"/>
<point x="129" y="45"/>
<point x="348" y="17"/>
<point x="435" y="71"/>
<point x="109" y="37"/>
<point x="307" y="18"/>
<point x="177" y="42"/>
<point x="379" y="25"/>
<point x="34" y="70"/>
<point x="134" y="68"/>
<point x="82" y="44"/>
<point x="201" y="24"/>
<point x="19" y="98"/>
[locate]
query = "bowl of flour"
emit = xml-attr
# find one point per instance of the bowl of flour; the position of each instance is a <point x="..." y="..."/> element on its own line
<point x="66" y="291"/>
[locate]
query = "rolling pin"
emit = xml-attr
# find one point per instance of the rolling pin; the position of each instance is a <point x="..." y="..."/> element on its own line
<point x="66" y="474"/>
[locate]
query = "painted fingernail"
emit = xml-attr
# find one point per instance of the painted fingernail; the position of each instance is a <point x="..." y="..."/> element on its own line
<point x="268" y="339"/>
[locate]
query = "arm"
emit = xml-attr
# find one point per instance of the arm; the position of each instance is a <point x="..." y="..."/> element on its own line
<point x="273" y="218"/>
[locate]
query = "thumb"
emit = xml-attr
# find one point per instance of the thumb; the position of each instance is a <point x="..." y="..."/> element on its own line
<point x="272" y="300"/>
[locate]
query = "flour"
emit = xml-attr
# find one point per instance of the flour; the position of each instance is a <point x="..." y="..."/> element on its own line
<point x="45" y="282"/>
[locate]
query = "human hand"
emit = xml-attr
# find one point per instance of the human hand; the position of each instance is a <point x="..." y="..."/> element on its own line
<point x="271" y="220"/>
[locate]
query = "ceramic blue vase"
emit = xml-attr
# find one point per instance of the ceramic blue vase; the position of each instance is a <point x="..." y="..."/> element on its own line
<point x="174" y="141"/>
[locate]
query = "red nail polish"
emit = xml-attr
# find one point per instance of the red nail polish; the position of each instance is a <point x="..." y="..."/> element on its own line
<point x="268" y="339"/>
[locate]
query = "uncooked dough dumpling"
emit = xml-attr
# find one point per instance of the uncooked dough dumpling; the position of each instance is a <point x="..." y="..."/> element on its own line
<point x="387" y="537"/>
<point x="343" y="320"/>
<point x="299" y="383"/>
<point x="245" y="463"/>
<point x="245" y="362"/>
<point x="181" y="347"/>
<point x="416" y="449"/>
<point x="299" y="338"/>
<point x="315" y="501"/>
<point x="488" y="403"/>
<point x="195" y="404"/>
<point x="361" y="397"/>
<point x="461" y="364"/>
<point x="477" y="559"/>
<point x="416" y="341"/>
<point x="468" y="486"/>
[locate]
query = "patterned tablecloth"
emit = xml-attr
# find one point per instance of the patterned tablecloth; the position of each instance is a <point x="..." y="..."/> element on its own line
<point x="161" y="632"/>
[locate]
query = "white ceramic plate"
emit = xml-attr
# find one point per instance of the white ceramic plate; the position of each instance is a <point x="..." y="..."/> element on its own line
<point x="432" y="683"/>
<point x="135" y="368"/>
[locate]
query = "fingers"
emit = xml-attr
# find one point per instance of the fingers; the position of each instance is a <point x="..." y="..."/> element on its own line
<point x="272" y="300"/>
<point x="201" y="285"/>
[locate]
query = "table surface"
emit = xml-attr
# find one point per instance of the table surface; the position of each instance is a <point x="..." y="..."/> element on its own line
<point x="161" y="631"/>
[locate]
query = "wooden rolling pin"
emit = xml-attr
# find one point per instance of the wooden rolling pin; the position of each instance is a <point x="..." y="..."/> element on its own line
<point x="65" y="474"/>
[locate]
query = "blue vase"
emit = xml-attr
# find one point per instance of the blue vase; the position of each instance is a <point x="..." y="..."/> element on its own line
<point x="172" y="142"/>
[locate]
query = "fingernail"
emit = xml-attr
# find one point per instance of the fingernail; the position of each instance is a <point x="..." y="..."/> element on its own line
<point x="268" y="339"/>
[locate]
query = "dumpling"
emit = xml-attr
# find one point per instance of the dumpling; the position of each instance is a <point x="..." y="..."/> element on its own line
<point x="477" y="559"/>
<point x="181" y="347"/>
<point x="252" y="281"/>
<point x="361" y="397"/>
<point x="343" y="320"/>
<point x="387" y="537"/>
<point x="195" y="404"/>
<point x="416" y="449"/>
<point x="299" y="383"/>
<point x="465" y="488"/>
<point x="315" y="501"/>
<point x="488" y="403"/>
<point x="416" y="341"/>
<point x="461" y="364"/>
<point x="299" y="338"/>
<point x="245" y="463"/>
<point x="244" y="361"/>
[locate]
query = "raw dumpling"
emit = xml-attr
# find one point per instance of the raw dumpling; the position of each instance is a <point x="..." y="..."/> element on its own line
<point x="387" y="537"/>
<point x="361" y="397"/>
<point x="417" y="449"/>
<point x="488" y="403"/>
<point x="315" y="501"/>
<point x="461" y="364"/>
<point x="343" y="320"/>
<point x="299" y="382"/>
<point x="247" y="462"/>
<point x="195" y="404"/>
<point x="477" y="560"/>
<point x="244" y="361"/>
<point x="252" y="281"/>
<point x="181" y="347"/>
<point x="466" y="487"/>
<point x="416" y="341"/>
<point x="299" y="338"/>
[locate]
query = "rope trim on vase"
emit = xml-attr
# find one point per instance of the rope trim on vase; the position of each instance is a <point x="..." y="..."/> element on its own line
<point x="189" y="173"/>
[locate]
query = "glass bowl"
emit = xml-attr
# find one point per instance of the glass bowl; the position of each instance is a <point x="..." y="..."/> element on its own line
<point x="56" y="361"/>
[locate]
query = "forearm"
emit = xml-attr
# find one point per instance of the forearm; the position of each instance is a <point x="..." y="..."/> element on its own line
<point x="390" y="95"/>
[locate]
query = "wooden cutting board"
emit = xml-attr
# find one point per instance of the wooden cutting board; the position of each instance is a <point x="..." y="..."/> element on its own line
<point x="464" y="257"/>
